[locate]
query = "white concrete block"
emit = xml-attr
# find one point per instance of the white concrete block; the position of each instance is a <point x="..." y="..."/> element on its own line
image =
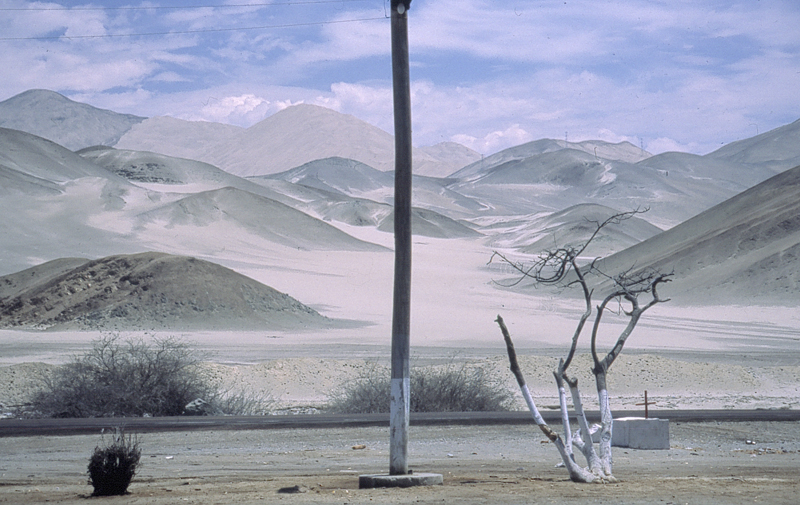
<point x="640" y="433"/>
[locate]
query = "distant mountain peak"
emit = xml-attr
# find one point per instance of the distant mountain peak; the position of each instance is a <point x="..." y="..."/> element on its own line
<point x="39" y="94"/>
<point x="71" y="124"/>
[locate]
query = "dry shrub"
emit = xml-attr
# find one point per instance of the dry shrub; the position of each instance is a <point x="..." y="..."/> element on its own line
<point x="123" y="378"/>
<point x="450" y="388"/>
<point x="112" y="466"/>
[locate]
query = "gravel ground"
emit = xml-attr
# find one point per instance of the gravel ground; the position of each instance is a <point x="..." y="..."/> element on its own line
<point x="708" y="463"/>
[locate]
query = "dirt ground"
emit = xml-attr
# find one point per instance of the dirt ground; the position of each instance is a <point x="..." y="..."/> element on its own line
<point x="708" y="463"/>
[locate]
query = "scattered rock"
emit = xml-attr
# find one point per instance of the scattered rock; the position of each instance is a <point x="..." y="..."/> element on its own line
<point x="293" y="489"/>
<point x="199" y="407"/>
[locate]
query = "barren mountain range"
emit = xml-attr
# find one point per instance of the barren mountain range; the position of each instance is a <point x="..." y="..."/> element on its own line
<point x="81" y="182"/>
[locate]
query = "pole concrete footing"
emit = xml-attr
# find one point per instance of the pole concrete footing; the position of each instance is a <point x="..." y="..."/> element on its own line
<point x="409" y="480"/>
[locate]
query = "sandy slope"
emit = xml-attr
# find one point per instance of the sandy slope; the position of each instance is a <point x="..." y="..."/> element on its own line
<point x="744" y="249"/>
<point x="146" y="291"/>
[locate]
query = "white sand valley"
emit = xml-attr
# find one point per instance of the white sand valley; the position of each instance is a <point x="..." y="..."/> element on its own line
<point x="685" y="357"/>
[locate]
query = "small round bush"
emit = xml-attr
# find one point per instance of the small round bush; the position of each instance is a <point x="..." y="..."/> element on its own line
<point x="433" y="389"/>
<point x="112" y="466"/>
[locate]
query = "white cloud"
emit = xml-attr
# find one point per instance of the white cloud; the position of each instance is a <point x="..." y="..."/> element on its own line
<point x="612" y="137"/>
<point x="224" y="109"/>
<point x="370" y="103"/>
<point x="241" y="110"/>
<point x="494" y="141"/>
<point x="678" y="75"/>
<point x="662" y="144"/>
<point x="504" y="31"/>
<point x="169" y="77"/>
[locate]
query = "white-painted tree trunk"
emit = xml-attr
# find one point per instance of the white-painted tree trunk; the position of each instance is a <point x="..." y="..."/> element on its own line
<point x="559" y="267"/>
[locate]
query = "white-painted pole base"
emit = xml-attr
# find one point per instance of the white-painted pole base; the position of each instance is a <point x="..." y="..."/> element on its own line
<point x="409" y="480"/>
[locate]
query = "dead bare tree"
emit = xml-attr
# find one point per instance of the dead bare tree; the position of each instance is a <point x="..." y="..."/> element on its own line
<point x="560" y="266"/>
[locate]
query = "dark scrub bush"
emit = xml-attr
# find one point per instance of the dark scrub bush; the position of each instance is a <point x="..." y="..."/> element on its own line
<point x="113" y="465"/>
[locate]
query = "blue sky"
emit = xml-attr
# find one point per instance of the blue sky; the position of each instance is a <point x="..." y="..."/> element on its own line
<point x="672" y="75"/>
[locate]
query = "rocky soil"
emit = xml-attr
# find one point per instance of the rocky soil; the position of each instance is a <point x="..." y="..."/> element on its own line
<point x="147" y="291"/>
<point x="707" y="463"/>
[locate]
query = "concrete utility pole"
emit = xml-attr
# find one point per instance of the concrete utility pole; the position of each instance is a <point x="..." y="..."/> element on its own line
<point x="401" y="317"/>
<point x="399" y="474"/>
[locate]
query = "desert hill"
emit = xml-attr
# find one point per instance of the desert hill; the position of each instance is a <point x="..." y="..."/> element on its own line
<point x="170" y="178"/>
<point x="706" y="170"/>
<point x="336" y="179"/>
<point x="146" y="291"/>
<point x="367" y="213"/>
<point x="43" y="160"/>
<point x="109" y="201"/>
<point x="570" y="227"/>
<point x="289" y="138"/>
<point x="451" y="155"/>
<point x="175" y="137"/>
<point x="744" y="250"/>
<point x="549" y="175"/>
<point x="775" y="149"/>
<point x="16" y="182"/>
<point x="557" y="179"/>
<point x="339" y="175"/>
<point x="241" y="213"/>
<point x="147" y="167"/>
<point x="71" y="124"/>
<point x="624" y="151"/>
<point x="430" y="224"/>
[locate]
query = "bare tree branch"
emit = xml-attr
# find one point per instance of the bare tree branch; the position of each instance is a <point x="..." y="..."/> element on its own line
<point x="560" y="266"/>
